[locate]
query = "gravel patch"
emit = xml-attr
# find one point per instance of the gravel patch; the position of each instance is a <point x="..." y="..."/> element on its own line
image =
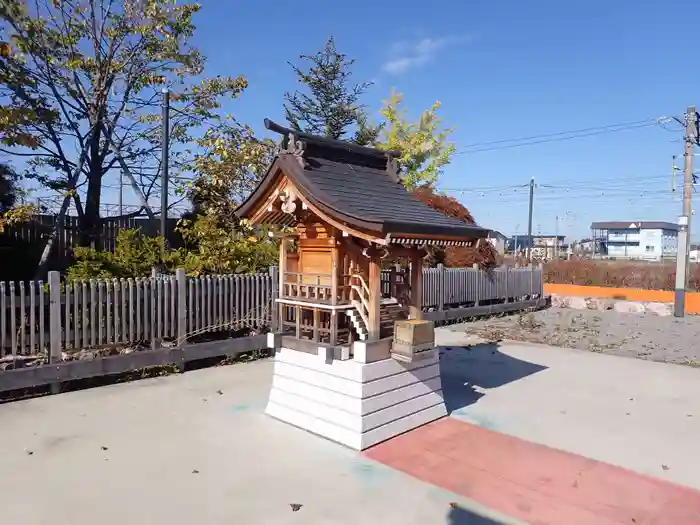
<point x="644" y="336"/>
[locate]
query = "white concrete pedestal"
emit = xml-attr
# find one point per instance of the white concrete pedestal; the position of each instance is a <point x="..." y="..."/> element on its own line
<point x="356" y="404"/>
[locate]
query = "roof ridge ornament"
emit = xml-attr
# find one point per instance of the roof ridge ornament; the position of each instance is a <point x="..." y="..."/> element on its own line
<point x="296" y="148"/>
<point x="392" y="168"/>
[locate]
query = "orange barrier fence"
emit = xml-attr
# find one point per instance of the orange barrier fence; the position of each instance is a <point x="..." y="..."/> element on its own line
<point x="692" y="299"/>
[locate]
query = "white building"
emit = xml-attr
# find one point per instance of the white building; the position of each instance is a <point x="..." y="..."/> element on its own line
<point x="498" y="241"/>
<point x="648" y="240"/>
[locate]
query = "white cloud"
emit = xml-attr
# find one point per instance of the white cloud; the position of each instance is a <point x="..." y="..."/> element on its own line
<point x="408" y="55"/>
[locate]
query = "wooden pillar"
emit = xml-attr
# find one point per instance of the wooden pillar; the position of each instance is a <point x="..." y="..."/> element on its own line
<point x="335" y="263"/>
<point x="375" y="298"/>
<point x="335" y="255"/>
<point x="282" y="277"/>
<point x="416" y="285"/>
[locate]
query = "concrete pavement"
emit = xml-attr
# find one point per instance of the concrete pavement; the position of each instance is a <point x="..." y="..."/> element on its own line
<point x="640" y="415"/>
<point x="197" y="447"/>
<point x="128" y="454"/>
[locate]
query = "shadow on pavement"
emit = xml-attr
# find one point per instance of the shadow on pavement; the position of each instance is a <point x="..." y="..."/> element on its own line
<point x="462" y="516"/>
<point x="466" y="370"/>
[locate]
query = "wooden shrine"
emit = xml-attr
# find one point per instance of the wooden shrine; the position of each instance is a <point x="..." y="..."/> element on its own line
<point x="350" y="222"/>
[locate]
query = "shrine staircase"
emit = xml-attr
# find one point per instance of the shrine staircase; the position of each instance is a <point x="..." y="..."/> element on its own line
<point x="390" y="311"/>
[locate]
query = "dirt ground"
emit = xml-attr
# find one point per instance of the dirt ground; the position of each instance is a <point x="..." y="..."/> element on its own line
<point x="665" y="339"/>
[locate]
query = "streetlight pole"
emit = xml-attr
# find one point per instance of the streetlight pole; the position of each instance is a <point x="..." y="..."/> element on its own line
<point x="164" y="164"/>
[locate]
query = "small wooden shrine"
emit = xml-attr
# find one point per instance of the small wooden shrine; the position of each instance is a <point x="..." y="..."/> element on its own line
<point x="340" y="295"/>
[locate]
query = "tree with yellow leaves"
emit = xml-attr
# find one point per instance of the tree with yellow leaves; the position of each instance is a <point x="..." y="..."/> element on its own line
<point x="424" y="144"/>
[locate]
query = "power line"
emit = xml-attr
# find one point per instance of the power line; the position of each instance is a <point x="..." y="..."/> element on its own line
<point x="560" y="136"/>
<point x="563" y="184"/>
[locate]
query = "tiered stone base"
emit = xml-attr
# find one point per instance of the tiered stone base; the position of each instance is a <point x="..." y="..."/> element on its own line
<point x="356" y="404"/>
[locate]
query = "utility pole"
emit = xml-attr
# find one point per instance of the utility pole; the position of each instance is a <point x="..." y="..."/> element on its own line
<point x="164" y="164"/>
<point x="674" y="168"/>
<point x="683" y="251"/>
<point x="121" y="193"/>
<point x="529" y="221"/>
<point x="556" y="238"/>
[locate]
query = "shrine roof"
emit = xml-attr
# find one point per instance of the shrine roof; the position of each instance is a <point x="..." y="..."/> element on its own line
<point x="356" y="185"/>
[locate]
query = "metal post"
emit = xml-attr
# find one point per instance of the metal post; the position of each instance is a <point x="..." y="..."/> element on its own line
<point x="683" y="251"/>
<point x="164" y="164"/>
<point x="529" y="220"/>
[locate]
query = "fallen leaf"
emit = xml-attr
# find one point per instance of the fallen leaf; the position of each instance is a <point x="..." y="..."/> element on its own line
<point x="453" y="505"/>
<point x="295" y="506"/>
<point x="665" y="467"/>
<point x="104" y="448"/>
<point x="30" y="452"/>
<point x="195" y="471"/>
<point x="220" y="392"/>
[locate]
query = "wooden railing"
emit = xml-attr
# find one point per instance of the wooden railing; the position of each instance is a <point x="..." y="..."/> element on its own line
<point x="360" y="296"/>
<point x="309" y="287"/>
<point x="315" y="288"/>
<point x="316" y="322"/>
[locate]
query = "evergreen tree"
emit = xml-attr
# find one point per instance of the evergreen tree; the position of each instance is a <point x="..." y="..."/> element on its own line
<point x="329" y="104"/>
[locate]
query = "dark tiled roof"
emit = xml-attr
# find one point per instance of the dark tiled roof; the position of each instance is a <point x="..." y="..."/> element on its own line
<point x="625" y="225"/>
<point x="354" y="184"/>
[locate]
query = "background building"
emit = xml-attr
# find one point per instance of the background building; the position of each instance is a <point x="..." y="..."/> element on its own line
<point x="498" y="241"/>
<point x="544" y="247"/>
<point x="649" y="240"/>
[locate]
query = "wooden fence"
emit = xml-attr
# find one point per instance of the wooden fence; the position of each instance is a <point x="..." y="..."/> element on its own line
<point x="53" y="318"/>
<point x="39" y="228"/>
<point x="21" y="246"/>
<point x="454" y="293"/>
<point x="128" y="324"/>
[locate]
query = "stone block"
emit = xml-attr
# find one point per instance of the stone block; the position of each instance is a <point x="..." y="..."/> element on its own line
<point x="558" y="301"/>
<point x="660" y="309"/>
<point x="629" y="307"/>
<point x="599" y="303"/>
<point x="414" y="332"/>
<point x="575" y="303"/>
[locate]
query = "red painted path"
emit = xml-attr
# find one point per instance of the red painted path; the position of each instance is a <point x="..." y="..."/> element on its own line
<point x="534" y="483"/>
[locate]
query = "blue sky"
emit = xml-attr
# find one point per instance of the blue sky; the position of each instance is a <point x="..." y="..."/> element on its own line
<point x="502" y="70"/>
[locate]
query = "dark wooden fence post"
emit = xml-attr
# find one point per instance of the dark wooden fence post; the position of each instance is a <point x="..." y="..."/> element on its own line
<point x="441" y="287"/>
<point x="274" y="305"/>
<point x="55" y="324"/>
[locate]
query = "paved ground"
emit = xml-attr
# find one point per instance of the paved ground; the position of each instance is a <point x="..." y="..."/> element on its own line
<point x="127" y="454"/>
<point x="633" y="413"/>
<point x="197" y="448"/>
<point x="665" y="339"/>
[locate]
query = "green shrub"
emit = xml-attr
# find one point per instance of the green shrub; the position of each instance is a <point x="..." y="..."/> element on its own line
<point x="135" y="255"/>
<point x="213" y="246"/>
